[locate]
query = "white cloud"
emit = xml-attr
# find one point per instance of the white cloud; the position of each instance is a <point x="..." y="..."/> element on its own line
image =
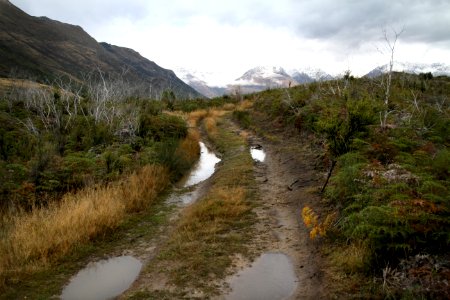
<point x="230" y="37"/>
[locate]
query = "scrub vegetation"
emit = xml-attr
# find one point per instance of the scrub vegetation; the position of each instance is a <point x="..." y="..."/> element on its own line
<point x="76" y="165"/>
<point x="385" y="213"/>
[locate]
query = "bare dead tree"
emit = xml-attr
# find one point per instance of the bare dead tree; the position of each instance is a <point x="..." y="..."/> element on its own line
<point x="415" y="101"/>
<point x="289" y="102"/>
<point x="70" y="98"/>
<point x="441" y="103"/>
<point x="390" y="44"/>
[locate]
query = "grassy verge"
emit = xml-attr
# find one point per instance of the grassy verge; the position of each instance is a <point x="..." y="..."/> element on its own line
<point x="218" y="226"/>
<point x="46" y="281"/>
<point x="36" y="243"/>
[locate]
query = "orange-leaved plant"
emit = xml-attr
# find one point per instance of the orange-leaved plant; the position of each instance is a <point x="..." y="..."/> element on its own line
<point x="311" y="220"/>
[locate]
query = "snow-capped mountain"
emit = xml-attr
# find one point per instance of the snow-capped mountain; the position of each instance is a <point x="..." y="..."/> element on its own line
<point x="436" y="69"/>
<point x="202" y="82"/>
<point x="254" y="80"/>
<point x="306" y="75"/>
<point x="267" y="77"/>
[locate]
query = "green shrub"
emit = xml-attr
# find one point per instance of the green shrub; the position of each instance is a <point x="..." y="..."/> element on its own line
<point x="162" y="127"/>
<point x="441" y="165"/>
<point x="78" y="170"/>
<point x="243" y="117"/>
<point x="383" y="229"/>
<point x="152" y="107"/>
<point x="166" y="155"/>
<point x="347" y="183"/>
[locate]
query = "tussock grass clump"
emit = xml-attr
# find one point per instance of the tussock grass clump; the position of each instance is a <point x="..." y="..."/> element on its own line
<point x="143" y="186"/>
<point x="221" y="206"/>
<point x="210" y="121"/>
<point x="246" y="104"/>
<point x="351" y="258"/>
<point x="229" y="106"/>
<point x="195" y="116"/>
<point x="210" y="126"/>
<point x="189" y="148"/>
<point x="40" y="237"/>
<point x="208" y="235"/>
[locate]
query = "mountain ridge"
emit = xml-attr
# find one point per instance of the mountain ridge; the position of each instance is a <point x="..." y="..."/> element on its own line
<point x="43" y="48"/>
<point x="437" y="69"/>
<point x="253" y="80"/>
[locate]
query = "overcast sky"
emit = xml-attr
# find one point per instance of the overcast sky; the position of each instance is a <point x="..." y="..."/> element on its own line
<point x="228" y="37"/>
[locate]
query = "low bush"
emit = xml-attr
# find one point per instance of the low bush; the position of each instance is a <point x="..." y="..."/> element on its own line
<point x="162" y="127"/>
<point x="243" y="117"/>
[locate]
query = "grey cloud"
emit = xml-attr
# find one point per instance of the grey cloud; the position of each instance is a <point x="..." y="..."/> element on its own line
<point x="348" y="23"/>
<point x="84" y="12"/>
<point x="356" y="22"/>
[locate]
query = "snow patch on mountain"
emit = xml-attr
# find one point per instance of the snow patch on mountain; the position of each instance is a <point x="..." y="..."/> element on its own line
<point x="309" y="74"/>
<point x="206" y="83"/>
<point x="267" y="76"/>
<point x="437" y="69"/>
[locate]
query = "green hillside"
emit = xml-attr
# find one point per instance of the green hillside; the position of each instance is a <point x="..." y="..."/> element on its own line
<point x="385" y="212"/>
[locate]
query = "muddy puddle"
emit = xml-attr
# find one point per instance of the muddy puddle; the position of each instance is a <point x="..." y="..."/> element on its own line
<point x="257" y="153"/>
<point x="104" y="279"/>
<point x="108" y="279"/>
<point x="270" y="277"/>
<point x="204" y="168"/>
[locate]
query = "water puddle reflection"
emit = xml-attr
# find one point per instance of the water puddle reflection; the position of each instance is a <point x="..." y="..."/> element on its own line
<point x="270" y="277"/>
<point x="204" y="168"/>
<point x="105" y="279"/>
<point x="258" y="153"/>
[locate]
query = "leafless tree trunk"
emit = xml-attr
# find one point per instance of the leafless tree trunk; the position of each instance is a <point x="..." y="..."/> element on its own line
<point x="390" y="43"/>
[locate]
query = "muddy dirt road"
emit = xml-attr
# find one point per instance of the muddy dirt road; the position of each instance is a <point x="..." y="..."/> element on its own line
<point x="285" y="178"/>
<point x="281" y="262"/>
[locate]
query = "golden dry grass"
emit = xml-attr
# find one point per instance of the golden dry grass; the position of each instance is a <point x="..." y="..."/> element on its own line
<point x="143" y="186"/>
<point x="229" y="106"/>
<point x="8" y="83"/>
<point x="210" y="121"/>
<point x="350" y="258"/>
<point x="210" y="126"/>
<point x="195" y="116"/>
<point x="209" y="233"/>
<point x="189" y="148"/>
<point x="246" y="104"/>
<point x="223" y="205"/>
<point x="36" y="239"/>
<point x="33" y="240"/>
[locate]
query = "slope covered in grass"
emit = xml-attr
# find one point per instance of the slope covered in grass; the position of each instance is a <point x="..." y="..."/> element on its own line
<point x="387" y="201"/>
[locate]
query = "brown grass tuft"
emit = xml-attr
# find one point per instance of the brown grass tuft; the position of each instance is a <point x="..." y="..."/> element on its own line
<point x="351" y="258"/>
<point x="210" y="126"/>
<point x="210" y="121"/>
<point x="36" y="239"/>
<point x="229" y="107"/>
<point x="142" y="187"/>
<point x="195" y="116"/>
<point x="189" y="148"/>
<point x="246" y="104"/>
<point x="223" y="205"/>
